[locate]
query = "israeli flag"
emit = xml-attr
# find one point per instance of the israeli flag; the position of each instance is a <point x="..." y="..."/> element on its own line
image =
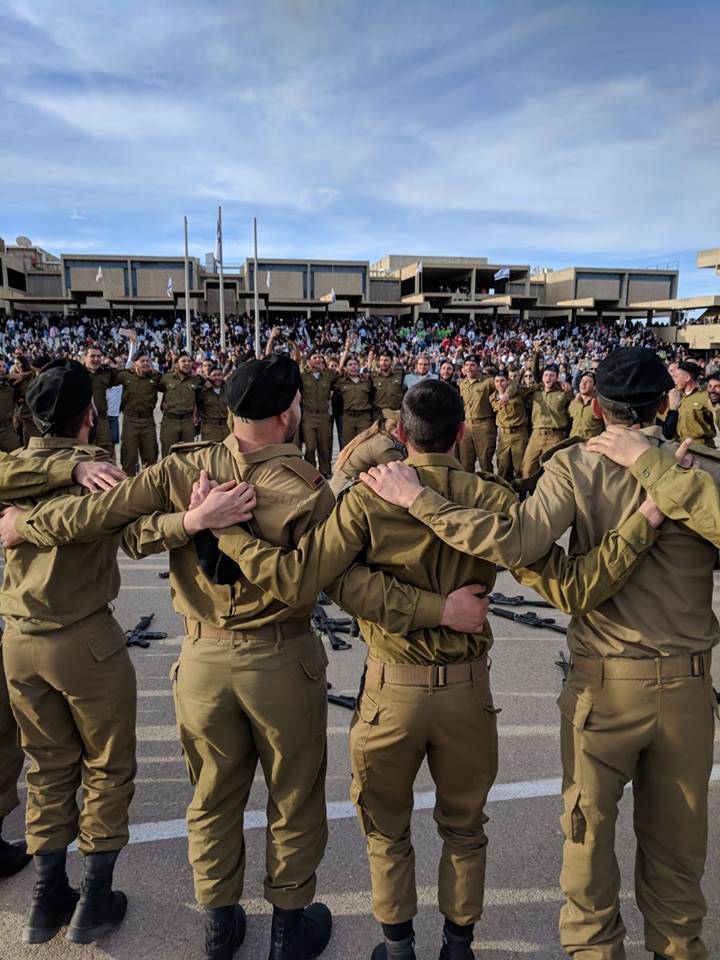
<point x="333" y="295"/>
<point x="267" y="280"/>
<point x="218" y="242"/>
<point x="419" y="267"/>
<point x="503" y="274"/>
<point x="170" y="288"/>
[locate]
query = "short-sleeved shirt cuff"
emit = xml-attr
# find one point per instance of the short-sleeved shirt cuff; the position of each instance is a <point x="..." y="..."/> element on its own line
<point x="651" y="465"/>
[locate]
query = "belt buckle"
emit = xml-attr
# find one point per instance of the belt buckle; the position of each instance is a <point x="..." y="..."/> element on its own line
<point x="440" y="676"/>
<point x="697" y="665"/>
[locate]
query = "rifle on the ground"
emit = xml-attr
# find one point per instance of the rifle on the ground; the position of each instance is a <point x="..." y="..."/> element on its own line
<point x="530" y="619"/>
<point x="331" y="627"/>
<point x="563" y="663"/>
<point x="164" y="574"/>
<point x="140" y="636"/>
<point x="341" y="700"/>
<point x="501" y="600"/>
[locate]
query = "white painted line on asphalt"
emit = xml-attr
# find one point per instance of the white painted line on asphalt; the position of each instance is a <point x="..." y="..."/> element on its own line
<point x="344" y="809"/>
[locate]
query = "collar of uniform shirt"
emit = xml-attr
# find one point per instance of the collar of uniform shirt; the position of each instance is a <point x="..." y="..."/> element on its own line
<point x="269" y="452"/>
<point x="432" y="460"/>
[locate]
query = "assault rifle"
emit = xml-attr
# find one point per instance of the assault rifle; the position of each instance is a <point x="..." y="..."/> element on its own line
<point x="563" y="663"/>
<point x="140" y="636"/>
<point x="341" y="700"/>
<point x="530" y="619"/>
<point x="330" y="627"/>
<point x="502" y="601"/>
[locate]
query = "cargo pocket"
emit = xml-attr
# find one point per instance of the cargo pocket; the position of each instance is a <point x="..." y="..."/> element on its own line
<point x="365" y="720"/>
<point x="575" y="710"/>
<point x="313" y="666"/>
<point x="106" y="644"/>
<point x="573" y="820"/>
<point x="366" y="824"/>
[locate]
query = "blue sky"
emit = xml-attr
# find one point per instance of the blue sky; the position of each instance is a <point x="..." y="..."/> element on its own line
<point x="545" y="133"/>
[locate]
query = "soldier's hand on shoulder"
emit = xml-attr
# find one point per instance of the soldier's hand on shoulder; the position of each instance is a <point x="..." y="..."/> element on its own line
<point x="620" y="444"/>
<point x="395" y="482"/>
<point x="225" y="505"/>
<point x="9" y="537"/>
<point x="97" y="475"/>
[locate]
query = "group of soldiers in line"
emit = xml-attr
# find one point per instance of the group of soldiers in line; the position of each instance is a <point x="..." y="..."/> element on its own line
<point x="407" y="551"/>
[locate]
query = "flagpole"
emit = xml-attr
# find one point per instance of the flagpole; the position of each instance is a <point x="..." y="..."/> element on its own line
<point x="255" y="289"/>
<point x="188" y="328"/>
<point x="222" y="284"/>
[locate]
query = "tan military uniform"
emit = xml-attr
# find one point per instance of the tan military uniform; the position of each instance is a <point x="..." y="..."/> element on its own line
<point x="583" y="422"/>
<point x="378" y="447"/>
<point x="426" y="693"/>
<point x="388" y="391"/>
<point x="512" y="422"/>
<point x="213" y="409"/>
<point x="696" y="418"/>
<point x="250" y="683"/>
<point x="549" y="424"/>
<point x="9" y="439"/>
<point x="638" y="705"/>
<point x="101" y="381"/>
<point x="316" y="424"/>
<point x="11" y="756"/>
<point x="178" y="405"/>
<point x="23" y="415"/>
<point x="70" y="679"/>
<point x="138" y="442"/>
<point x="357" y="398"/>
<point x="480" y="429"/>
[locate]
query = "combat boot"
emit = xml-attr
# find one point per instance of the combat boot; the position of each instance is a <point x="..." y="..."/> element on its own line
<point x="395" y="950"/>
<point x="300" y="934"/>
<point x="100" y="908"/>
<point x="53" y="898"/>
<point x="13" y="856"/>
<point x="455" y="947"/>
<point x="224" y="931"/>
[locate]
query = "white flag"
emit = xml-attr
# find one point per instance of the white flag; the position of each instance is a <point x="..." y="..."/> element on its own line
<point x="98" y="278"/>
<point x="218" y="242"/>
<point x="419" y="267"/>
<point x="170" y="288"/>
<point x="267" y="280"/>
<point x="333" y="295"/>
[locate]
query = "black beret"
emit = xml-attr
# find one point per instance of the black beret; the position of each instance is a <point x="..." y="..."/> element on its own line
<point x="61" y="390"/>
<point x="687" y="366"/>
<point x="258" y="389"/>
<point x="633" y="375"/>
<point x="551" y="367"/>
<point x="502" y="373"/>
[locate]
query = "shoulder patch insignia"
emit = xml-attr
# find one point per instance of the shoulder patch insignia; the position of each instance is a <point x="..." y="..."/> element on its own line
<point x="306" y="471"/>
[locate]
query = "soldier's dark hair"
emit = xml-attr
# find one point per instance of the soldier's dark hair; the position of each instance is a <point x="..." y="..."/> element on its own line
<point x="626" y="415"/>
<point x="432" y="412"/>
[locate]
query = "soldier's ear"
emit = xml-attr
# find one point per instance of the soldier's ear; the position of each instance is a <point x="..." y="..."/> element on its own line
<point x="664" y="403"/>
<point x="596" y="408"/>
<point x="460" y="434"/>
<point x="401" y="435"/>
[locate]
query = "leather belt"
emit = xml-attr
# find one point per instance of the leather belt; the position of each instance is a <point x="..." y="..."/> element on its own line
<point x="431" y="676"/>
<point x="358" y="413"/>
<point x="177" y="416"/>
<point x="548" y="430"/>
<point x="482" y="420"/>
<point x="286" y="629"/>
<point x="308" y="410"/>
<point x="658" y="668"/>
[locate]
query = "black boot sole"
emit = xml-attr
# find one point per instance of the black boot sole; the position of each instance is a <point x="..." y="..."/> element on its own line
<point x="87" y="935"/>
<point x="43" y="934"/>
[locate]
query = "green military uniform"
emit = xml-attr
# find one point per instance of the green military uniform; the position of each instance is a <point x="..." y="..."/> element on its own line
<point x="480" y="429"/>
<point x="696" y="418"/>
<point x="379" y="446"/>
<point x="213" y="409"/>
<point x="11" y="756"/>
<point x="250" y="683"/>
<point x="512" y="422"/>
<point x="9" y="439"/>
<point x="549" y="424"/>
<point x="138" y="442"/>
<point x="357" y="396"/>
<point x="27" y="424"/>
<point x="638" y="704"/>
<point x="426" y="693"/>
<point x="102" y="380"/>
<point x="387" y="391"/>
<point x="583" y="422"/>
<point x="71" y="681"/>
<point x="315" y="390"/>
<point x="179" y="402"/>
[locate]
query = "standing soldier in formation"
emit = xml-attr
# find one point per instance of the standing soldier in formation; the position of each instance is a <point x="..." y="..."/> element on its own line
<point x="378" y="444"/>
<point x="316" y="388"/>
<point x="512" y="423"/>
<point x="212" y="407"/>
<point x="102" y="378"/>
<point x="179" y="388"/>
<point x="696" y="419"/>
<point x="356" y="391"/>
<point x="23" y="375"/>
<point x="549" y="421"/>
<point x="481" y="432"/>
<point x="387" y="384"/>
<point x="713" y="389"/>
<point x="9" y="439"/>
<point x="138" y="444"/>
<point x="584" y="422"/>
<point x="638" y="705"/>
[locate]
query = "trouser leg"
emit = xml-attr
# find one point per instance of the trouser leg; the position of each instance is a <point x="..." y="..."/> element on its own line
<point x="485" y="439"/>
<point x="531" y="457"/>
<point x="186" y="430"/>
<point x="11" y="756"/>
<point x="102" y="434"/>
<point x="467" y="451"/>
<point x="671" y="820"/>
<point x="217" y="742"/>
<point x="310" y="438"/>
<point x="504" y="457"/>
<point x="324" y="444"/>
<point x="518" y="443"/>
<point x="129" y="446"/>
<point x="463" y="769"/>
<point x="148" y="444"/>
<point x="171" y="432"/>
<point x="387" y="747"/>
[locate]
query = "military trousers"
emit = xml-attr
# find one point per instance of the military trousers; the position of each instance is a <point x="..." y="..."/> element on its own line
<point x="138" y="443"/>
<point x="11" y="756"/>
<point x="354" y="424"/>
<point x="175" y="429"/>
<point x="241" y="699"/>
<point x="73" y="693"/>
<point x="621" y="724"/>
<point x="510" y="452"/>
<point x="541" y="440"/>
<point x="478" y="444"/>
<point x="396" y="726"/>
<point x="317" y="437"/>
<point x="9" y="439"/>
<point x="102" y="434"/>
<point x="214" y="430"/>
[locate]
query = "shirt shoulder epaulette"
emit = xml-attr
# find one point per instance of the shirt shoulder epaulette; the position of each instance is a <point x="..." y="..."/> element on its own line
<point x="306" y="471"/>
<point x="191" y="445"/>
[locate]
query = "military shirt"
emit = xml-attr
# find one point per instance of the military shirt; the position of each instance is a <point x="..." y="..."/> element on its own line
<point x="390" y="539"/>
<point x="316" y="389"/>
<point x="101" y="381"/>
<point x="21" y="389"/>
<point x="549" y="408"/>
<point x="388" y="389"/>
<point x="511" y="415"/>
<point x="357" y="396"/>
<point x="212" y="404"/>
<point x="179" y="393"/>
<point x="584" y="422"/>
<point x="7" y="402"/>
<point x="139" y="394"/>
<point x="292" y="496"/>
<point x="379" y="447"/>
<point x="476" y="396"/>
<point x="664" y="608"/>
<point x="696" y="417"/>
<point x="48" y="589"/>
